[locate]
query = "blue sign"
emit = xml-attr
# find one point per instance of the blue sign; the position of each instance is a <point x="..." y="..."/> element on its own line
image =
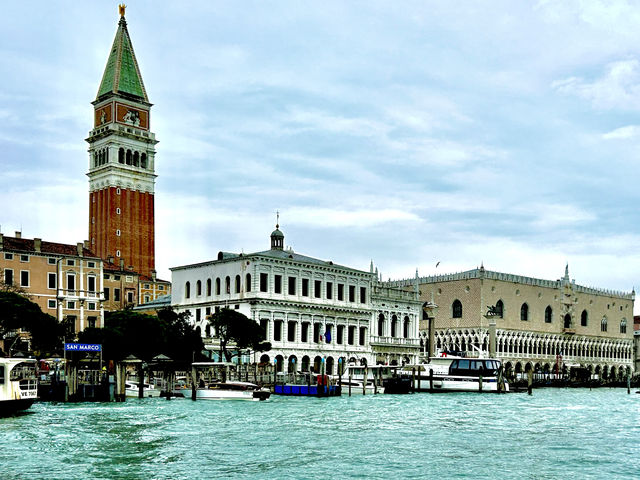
<point x="82" y="347"/>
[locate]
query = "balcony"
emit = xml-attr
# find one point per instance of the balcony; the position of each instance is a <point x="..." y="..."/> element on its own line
<point x="395" y="341"/>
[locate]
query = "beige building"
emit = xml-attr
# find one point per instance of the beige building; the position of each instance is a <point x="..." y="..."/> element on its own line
<point x="539" y="323"/>
<point x="66" y="281"/>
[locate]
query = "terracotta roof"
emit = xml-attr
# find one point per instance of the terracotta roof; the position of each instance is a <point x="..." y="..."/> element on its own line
<point x="28" y="246"/>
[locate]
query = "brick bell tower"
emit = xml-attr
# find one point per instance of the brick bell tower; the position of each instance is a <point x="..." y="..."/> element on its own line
<point x="121" y="162"/>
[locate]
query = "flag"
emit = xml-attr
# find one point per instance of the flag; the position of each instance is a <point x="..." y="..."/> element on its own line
<point x="327" y="336"/>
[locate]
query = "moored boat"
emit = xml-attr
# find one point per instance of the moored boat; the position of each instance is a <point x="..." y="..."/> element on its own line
<point x="132" y="390"/>
<point x="18" y="385"/>
<point x="232" y="391"/>
<point x="454" y="373"/>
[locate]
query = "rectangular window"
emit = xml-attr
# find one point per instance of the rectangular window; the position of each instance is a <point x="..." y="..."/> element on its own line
<point x="363" y="331"/>
<point x="52" y="280"/>
<point x="277" y="284"/>
<point x="207" y="311"/>
<point x="71" y="320"/>
<point x="264" y="282"/>
<point x="91" y="284"/>
<point x="147" y="299"/>
<point x="92" y="306"/>
<point x="8" y="276"/>
<point x="161" y="287"/>
<point x="71" y="263"/>
<point x="340" y="292"/>
<point x="116" y="294"/>
<point x="351" y="334"/>
<point x="24" y="278"/>
<point x="352" y="293"/>
<point x="71" y="281"/>
<point x="198" y="315"/>
<point x="317" y="289"/>
<point x="24" y="258"/>
<point x="316" y="332"/>
<point x="339" y="334"/>
<point x="304" y="332"/>
<point x="146" y="285"/>
<point x="71" y="305"/>
<point x="91" y="322"/>
<point x="107" y="276"/>
<point x="8" y="256"/>
<point x="277" y="330"/>
<point x="91" y="264"/>
<point x="51" y="303"/>
<point x="291" y="331"/>
<point x="130" y="297"/>
<point x="116" y="277"/>
<point x="128" y="278"/>
<point x="106" y="293"/>
<point x="305" y="287"/>
<point x="363" y="294"/>
<point x="292" y="285"/>
<point x="264" y="323"/>
<point x="329" y="290"/>
<point x="51" y="261"/>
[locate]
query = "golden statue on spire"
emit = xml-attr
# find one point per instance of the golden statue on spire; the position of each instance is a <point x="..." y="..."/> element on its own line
<point x="121" y="8"/>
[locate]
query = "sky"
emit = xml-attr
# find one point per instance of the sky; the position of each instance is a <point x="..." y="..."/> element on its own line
<point x="411" y="134"/>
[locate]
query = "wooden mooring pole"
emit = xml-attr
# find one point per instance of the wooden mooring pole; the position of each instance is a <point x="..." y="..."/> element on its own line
<point x="530" y="381"/>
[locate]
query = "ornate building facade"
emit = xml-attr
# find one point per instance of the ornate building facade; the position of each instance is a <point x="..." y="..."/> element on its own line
<point x="310" y="309"/>
<point x="540" y="323"/>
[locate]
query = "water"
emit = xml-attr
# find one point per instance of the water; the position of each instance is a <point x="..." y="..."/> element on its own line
<point x="553" y="434"/>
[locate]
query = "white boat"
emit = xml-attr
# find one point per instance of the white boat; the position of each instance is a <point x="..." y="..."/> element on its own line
<point x="361" y="379"/>
<point x="453" y="373"/>
<point x="132" y="390"/>
<point x="232" y="391"/>
<point x="18" y="385"/>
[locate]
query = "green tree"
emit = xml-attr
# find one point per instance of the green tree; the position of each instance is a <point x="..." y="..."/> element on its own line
<point x="232" y="327"/>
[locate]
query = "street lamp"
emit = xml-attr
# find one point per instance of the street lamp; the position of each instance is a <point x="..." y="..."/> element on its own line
<point x="429" y="310"/>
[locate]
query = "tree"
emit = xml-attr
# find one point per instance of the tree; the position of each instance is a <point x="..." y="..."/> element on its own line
<point x="17" y="313"/>
<point x="232" y="327"/>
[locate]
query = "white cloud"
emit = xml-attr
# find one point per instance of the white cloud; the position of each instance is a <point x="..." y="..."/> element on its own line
<point x="623" y="133"/>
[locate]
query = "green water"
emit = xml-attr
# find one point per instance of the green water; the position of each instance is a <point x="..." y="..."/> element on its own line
<point x="574" y="434"/>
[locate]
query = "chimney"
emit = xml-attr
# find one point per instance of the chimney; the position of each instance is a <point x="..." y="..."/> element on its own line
<point x="37" y="244"/>
<point x="18" y="234"/>
<point x="110" y="259"/>
<point x="122" y="264"/>
<point x="153" y="275"/>
<point x="86" y="244"/>
<point x="79" y="245"/>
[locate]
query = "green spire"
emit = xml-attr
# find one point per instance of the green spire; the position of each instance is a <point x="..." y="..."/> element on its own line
<point x="122" y="75"/>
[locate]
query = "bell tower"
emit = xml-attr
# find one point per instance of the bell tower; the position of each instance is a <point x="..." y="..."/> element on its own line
<point x="122" y="162"/>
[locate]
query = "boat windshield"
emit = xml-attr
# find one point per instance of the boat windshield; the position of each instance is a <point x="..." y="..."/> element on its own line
<point x="23" y="371"/>
<point x="474" y="368"/>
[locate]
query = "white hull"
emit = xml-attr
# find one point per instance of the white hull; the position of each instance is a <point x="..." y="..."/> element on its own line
<point x="205" y="394"/>
<point x="19" y="386"/>
<point x="132" y="390"/>
<point x="457" y="384"/>
<point x="356" y="389"/>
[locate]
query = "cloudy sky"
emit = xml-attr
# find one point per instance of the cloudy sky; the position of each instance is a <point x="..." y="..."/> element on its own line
<point x="409" y="133"/>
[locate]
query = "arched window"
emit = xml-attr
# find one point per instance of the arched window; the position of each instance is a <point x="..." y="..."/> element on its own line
<point x="405" y="329"/>
<point x="143" y="160"/>
<point x="524" y="312"/>
<point x="500" y="308"/>
<point x="106" y="156"/>
<point x="198" y="288"/>
<point x="548" y="314"/>
<point x="380" y="325"/>
<point x="187" y="290"/>
<point x="584" y="318"/>
<point x="218" y="286"/>
<point x="567" y="321"/>
<point x="247" y="283"/>
<point x="227" y="285"/>
<point x="208" y="287"/>
<point x="128" y="159"/>
<point x="121" y="155"/>
<point x="237" y="283"/>
<point x="623" y="325"/>
<point x="136" y="159"/>
<point x="603" y="324"/>
<point x="394" y="326"/>
<point x="456" y="309"/>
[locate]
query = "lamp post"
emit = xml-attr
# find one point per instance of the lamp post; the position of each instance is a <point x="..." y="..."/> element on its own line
<point x="429" y="310"/>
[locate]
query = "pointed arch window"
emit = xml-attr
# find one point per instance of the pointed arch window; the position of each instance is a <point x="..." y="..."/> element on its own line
<point x="567" y="321"/>
<point x="456" y="309"/>
<point x="524" y="312"/>
<point x="584" y="318"/>
<point x="623" y="325"/>
<point x="548" y="314"/>
<point x="603" y="324"/>
<point x="500" y="308"/>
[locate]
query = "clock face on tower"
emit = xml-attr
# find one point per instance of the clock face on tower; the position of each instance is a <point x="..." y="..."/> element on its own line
<point x="103" y="115"/>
